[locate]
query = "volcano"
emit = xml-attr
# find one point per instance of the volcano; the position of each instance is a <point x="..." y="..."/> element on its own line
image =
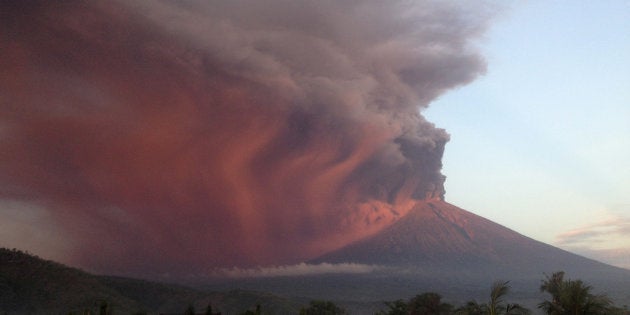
<point x="438" y="237"/>
<point x="438" y="247"/>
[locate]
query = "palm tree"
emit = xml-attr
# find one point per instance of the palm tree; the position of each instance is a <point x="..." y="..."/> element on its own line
<point x="553" y="285"/>
<point x="498" y="290"/>
<point x="572" y="297"/>
<point x="495" y="306"/>
<point x="516" y="309"/>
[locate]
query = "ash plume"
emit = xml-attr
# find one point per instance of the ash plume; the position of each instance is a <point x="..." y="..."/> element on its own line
<point x="184" y="135"/>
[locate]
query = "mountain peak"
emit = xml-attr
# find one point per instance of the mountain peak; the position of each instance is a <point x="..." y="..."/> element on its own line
<point x="436" y="235"/>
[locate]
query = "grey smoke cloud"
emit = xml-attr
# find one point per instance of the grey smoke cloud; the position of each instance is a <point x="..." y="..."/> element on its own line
<point x="160" y="135"/>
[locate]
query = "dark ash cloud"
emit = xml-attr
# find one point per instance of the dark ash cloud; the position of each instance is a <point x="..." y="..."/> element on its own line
<point x="163" y="136"/>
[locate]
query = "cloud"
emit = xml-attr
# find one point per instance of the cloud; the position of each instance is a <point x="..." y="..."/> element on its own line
<point x="160" y="136"/>
<point x="19" y="225"/>
<point x="300" y="269"/>
<point x="605" y="240"/>
<point x="596" y="232"/>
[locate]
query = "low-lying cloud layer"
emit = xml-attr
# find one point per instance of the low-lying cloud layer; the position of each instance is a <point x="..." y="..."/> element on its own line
<point x="161" y="136"/>
<point x="300" y="269"/>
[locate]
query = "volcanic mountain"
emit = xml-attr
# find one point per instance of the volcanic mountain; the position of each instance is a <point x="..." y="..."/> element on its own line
<point x="438" y="247"/>
<point x="438" y="237"/>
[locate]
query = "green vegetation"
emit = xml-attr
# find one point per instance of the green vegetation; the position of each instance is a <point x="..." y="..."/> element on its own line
<point x="495" y="305"/>
<point x="569" y="297"/>
<point x="431" y="304"/>
<point x="573" y="297"/>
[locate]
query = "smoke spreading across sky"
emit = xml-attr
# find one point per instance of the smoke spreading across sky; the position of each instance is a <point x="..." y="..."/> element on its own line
<point x="156" y="136"/>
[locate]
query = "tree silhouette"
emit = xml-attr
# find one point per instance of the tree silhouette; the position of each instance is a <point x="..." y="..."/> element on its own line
<point x="572" y="297"/>
<point x="495" y="305"/>
<point x="322" y="308"/>
<point x="497" y="292"/>
<point x="398" y="307"/>
<point x="429" y="303"/>
<point x="472" y="308"/>
<point x="258" y="311"/>
<point x="190" y="310"/>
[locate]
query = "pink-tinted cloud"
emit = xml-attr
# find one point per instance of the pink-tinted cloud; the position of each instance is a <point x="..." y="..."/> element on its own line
<point x="604" y="240"/>
<point x="597" y="232"/>
<point x="168" y="136"/>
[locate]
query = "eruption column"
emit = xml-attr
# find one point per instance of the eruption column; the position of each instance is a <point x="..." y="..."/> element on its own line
<point x="178" y="136"/>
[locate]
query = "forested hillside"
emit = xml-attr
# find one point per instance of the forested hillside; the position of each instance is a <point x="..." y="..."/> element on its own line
<point x="31" y="285"/>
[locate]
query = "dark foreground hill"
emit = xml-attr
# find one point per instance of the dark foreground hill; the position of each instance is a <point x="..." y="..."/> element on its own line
<point x="30" y="285"/>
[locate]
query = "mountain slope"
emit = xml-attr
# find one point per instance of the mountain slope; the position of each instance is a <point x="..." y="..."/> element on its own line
<point x="30" y="285"/>
<point x="438" y="247"/>
<point x="436" y="236"/>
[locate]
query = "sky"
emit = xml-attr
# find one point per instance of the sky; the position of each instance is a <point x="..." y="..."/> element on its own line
<point x="148" y="136"/>
<point x="541" y="142"/>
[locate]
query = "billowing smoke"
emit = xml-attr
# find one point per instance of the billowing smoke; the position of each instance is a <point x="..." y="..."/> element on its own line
<point x="166" y="136"/>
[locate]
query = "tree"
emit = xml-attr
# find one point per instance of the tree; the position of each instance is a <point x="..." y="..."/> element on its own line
<point x="572" y="297"/>
<point x="104" y="308"/>
<point x="398" y="307"/>
<point x="322" y="308"/>
<point x="495" y="305"/>
<point x="497" y="292"/>
<point x="429" y="303"/>
<point x="516" y="309"/>
<point x="258" y="311"/>
<point x="190" y="310"/>
<point x="472" y="308"/>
